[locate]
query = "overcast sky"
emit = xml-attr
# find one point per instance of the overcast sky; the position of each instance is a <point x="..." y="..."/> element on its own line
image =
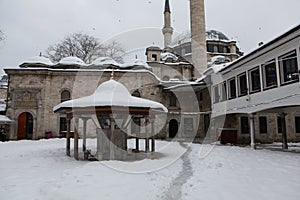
<point x="31" y="26"/>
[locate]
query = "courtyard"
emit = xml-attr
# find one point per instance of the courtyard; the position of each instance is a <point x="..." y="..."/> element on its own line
<point x="41" y="170"/>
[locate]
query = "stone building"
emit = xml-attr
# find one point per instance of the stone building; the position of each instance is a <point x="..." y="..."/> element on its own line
<point x="38" y="85"/>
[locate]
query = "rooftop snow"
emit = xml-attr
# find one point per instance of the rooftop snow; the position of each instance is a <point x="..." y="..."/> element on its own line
<point x="105" y="61"/>
<point x="135" y="62"/>
<point x="38" y="60"/>
<point x="71" y="60"/>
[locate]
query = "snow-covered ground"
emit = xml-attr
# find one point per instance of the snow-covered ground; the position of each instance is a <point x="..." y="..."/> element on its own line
<point x="40" y="170"/>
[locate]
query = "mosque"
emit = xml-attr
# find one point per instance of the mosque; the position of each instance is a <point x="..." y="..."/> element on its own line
<point x="196" y="76"/>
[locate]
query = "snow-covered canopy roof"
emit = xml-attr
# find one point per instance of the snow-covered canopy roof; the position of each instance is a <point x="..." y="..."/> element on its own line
<point x="37" y="60"/>
<point x="71" y="60"/>
<point x="105" y="61"/>
<point x="111" y="94"/>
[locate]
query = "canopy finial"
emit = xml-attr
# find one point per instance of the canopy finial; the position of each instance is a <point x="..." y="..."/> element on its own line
<point x="112" y="75"/>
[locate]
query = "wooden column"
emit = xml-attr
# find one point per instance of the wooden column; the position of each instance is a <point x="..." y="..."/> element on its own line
<point x="76" y="136"/>
<point x="252" y="131"/>
<point x="147" y="134"/>
<point x="284" y="134"/>
<point x="137" y="135"/>
<point x="152" y="134"/>
<point x="112" y="138"/>
<point x="68" y="145"/>
<point x="137" y="144"/>
<point x="84" y="135"/>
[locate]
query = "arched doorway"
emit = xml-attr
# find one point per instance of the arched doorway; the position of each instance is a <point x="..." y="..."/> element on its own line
<point x="25" y="126"/>
<point x="173" y="128"/>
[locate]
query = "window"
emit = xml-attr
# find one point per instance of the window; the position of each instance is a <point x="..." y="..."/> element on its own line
<point x="65" y="96"/>
<point x="136" y="93"/>
<point x="63" y="124"/>
<point x="243" y="90"/>
<point x="263" y="125"/>
<point x="166" y="78"/>
<point x="223" y="91"/>
<point x="232" y="89"/>
<point x="183" y="51"/>
<point x="288" y="67"/>
<point x="224" y="50"/>
<point x="245" y="129"/>
<point x="297" y="124"/>
<point x="172" y="101"/>
<point x="216" y="94"/>
<point x="254" y="77"/>
<point x="270" y="75"/>
<point x="154" y="57"/>
<point x="215" y="48"/>
<point x="279" y="125"/>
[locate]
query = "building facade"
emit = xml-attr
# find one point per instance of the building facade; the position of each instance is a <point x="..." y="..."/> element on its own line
<point x="258" y="96"/>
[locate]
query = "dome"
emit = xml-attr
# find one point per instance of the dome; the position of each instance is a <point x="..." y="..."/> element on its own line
<point x="71" y="60"/>
<point x="135" y="62"/>
<point x="38" y="60"/>
<point x="216" y="35"/>
<point x="210" y="35"/>
<point x="167" y="55"/>
<point x="112" y="91"/>
<point x="105" y="61"/>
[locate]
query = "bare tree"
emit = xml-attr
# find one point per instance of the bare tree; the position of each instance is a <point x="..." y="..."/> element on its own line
<point x="2" y="36"/>
<point x="85" y="47"/>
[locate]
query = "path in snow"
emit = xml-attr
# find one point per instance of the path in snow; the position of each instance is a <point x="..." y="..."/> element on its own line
<point x="175" y="190"/>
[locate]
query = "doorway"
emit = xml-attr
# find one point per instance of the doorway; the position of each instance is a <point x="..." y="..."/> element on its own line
<point x="206" y="124"/>
<point x="25" y="126"/>
<point x="173" y="128"/>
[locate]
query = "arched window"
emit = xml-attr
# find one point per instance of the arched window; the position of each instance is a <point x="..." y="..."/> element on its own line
<point x="65" y="96"/>
<point x="136" y="93"/>
<point x="216" y="49"/>
<point x="166" y="78"/>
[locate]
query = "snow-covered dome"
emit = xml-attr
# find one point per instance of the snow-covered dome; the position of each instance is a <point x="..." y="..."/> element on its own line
<point x="38" y="60"/>
<point x="71" y="60"/>
<point x="105" y="61"/>
<point x="216" y="35"/>
<point x="210" y="35"/>
<point x="111" y="93"/>
<point x="167" y="55"/>
<point x="135" y="62"/>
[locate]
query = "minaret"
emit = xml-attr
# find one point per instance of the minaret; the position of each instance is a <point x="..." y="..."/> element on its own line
<point x="167" y="29"/>
<point x="198" y="36"/>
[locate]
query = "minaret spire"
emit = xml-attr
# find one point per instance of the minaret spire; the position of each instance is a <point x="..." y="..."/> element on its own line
<point x="167" y="29"/>
<point x="167" y="6"/>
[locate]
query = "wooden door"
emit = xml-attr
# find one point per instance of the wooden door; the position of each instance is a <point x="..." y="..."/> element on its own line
<point x="22" y="126"/>
<point x="25" y="126"/>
